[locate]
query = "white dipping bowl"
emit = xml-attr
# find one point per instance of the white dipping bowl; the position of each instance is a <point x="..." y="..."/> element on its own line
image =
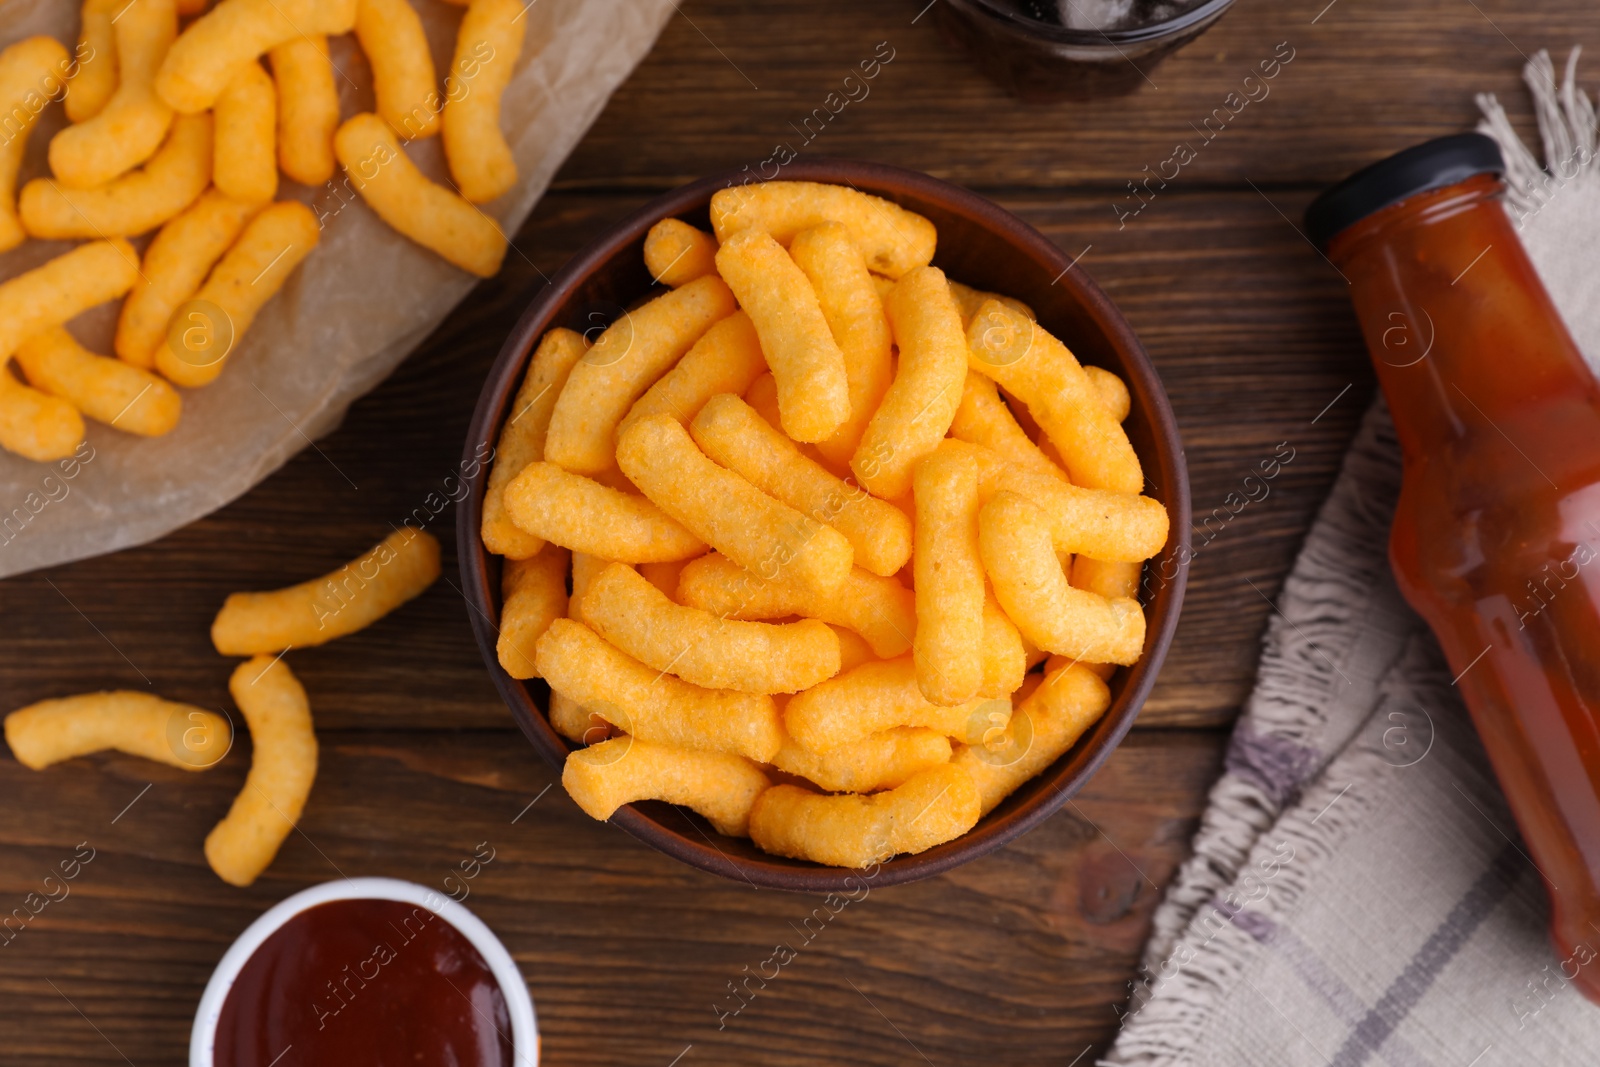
<point x="524" y="1026"/>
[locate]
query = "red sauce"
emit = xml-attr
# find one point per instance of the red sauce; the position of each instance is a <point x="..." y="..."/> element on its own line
<point x="371" y="982"/>
<point x="1496" y="541"/>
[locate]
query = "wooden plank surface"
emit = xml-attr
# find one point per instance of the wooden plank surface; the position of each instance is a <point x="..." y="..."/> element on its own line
<point x="1019" y="958"/>
<point x="1368" y="77"/>
<point x="628" y="953"/>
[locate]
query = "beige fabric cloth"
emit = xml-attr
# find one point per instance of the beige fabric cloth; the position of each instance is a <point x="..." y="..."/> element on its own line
<point x="358" y="305"/>
<point x="1358" y="893"/>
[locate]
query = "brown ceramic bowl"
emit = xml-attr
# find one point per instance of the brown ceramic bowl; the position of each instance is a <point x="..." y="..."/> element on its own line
<point x="979" y="244"/>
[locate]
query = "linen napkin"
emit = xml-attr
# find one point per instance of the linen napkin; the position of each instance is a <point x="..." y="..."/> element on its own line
<point x="1358" y="892"/>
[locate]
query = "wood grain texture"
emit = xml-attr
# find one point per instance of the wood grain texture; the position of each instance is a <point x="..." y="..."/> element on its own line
<point x="1018" y="958"/>
<point x="1367" y="79"/>
<point x="1017" y="952"/>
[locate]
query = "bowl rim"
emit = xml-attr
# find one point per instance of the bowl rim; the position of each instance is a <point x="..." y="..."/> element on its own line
<point x="1059" y="34"/>
<point x="1148" y="397"/>
<point x="519" y="1003"/>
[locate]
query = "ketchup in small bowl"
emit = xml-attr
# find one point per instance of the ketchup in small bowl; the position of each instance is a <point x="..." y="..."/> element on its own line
<point x="368" y="971"/>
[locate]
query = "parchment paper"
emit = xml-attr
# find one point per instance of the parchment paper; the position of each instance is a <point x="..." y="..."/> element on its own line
<point x="355" y="308"/>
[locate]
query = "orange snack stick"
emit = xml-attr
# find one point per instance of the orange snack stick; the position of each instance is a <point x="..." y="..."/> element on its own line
<point x="575" y="722"/>
<point x="762" y="396"/>
<point x="140" y="724"/>
<point x="433" y="216"/>
<point x="487" y="46"/>
<point x="358" y="594"/>
<point x="534" y="594"/>
<point x="853" y="648"/>
<point x="308" y="108"/>
<point x="676" y="253"/>
<point x="94" y="77"/>
<point x="203" y="59"/>
<point x="1046" y="723"/>
<point x="585" y="569"/>
<point x="753" y="529"/>
<point x="730" y="431"/>
<point x="969" y="300"/>
<point x="251" y="272"/>
<point x="813" y="388"/>
<point x="874" y="697"/>
<point x="880" y="610"/>
<point x="36" y="425"/>
<point x="849" y="830"/>
<point x="63" y="288"/>
<point x="581" y="514"/>
<point x="283" y="764"/>
<point x="855" y="316"/>
<point x="245" y="157"/>
<point x="1028" y="582"/>
<point x="27" y="69"/>
<point x="1094" y="522"/>
<point x="1112" y="390"/>
<point x="983" y="419"/>
<point x="921" y="403"/>
<point x="722" y="787"/>
<point x="107" y="390"/>
<point x="403" y="79"/>
<point x="1032" y="365"/>
<point x="522" y="438"/>
<point x="130" y="126"/>
<point x="726" y="359"/>
<point x="948" y="579"/>
<point x="626" y="360"/>
<point x="893" y="240"/>
<point x="651" y="705"/>
<point x="664" y="576"/>
<point x="881" y="761"/>
<point x="704" y="649"/>
<point x="1005" y="660"/>
<point x="176" y="263"/>
<point x="136" y="202"/>
<point x="1110" y="579"/>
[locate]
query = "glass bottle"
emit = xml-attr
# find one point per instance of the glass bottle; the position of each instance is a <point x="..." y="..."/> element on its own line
<point x="1496" y="539"/>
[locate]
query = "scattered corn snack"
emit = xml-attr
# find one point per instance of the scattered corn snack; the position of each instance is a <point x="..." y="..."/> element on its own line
<point x="187" y="131"/>
<point x="140" y="724"/>
<point x="487" y="47"/>
<point x="283" y="765"/>
<point x="341" y="602"/>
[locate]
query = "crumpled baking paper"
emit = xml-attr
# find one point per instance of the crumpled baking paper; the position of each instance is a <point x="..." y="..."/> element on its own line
<point x="355" y="308"/>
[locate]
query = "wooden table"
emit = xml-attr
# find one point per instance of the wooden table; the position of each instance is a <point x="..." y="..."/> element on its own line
<point x="1019" y="958"/>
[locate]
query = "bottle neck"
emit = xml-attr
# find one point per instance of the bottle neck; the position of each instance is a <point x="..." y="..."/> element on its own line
<point x="1464" y="337"/>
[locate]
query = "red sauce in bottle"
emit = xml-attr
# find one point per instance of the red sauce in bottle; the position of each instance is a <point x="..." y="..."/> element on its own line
<point x="372" y="982"/>
<point x="1496" y="541"/>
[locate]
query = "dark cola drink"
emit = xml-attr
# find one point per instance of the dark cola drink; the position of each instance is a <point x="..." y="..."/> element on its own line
<point x="1100" y="14"/>
<point x="1043" y="50"/>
